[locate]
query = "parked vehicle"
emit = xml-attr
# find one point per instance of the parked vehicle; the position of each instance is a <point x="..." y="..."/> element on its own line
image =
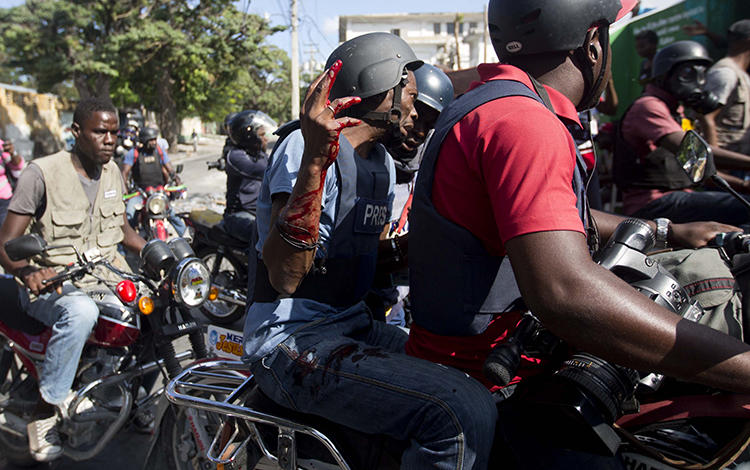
<point x="130" y="344"/>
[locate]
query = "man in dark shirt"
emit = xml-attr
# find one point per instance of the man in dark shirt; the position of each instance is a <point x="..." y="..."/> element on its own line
<point x="246" y="163"/>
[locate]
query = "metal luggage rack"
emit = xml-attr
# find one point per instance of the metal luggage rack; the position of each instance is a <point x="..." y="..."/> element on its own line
<point x="221" y="387"/>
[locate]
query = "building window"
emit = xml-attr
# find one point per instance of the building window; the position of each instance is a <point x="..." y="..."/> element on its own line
<point x="450" y="28"/>
<point x="436" y="28"/>
<point x="460" y="28"/>
<point x="396" y="31"/>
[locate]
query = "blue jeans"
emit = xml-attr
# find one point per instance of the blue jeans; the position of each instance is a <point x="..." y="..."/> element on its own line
<point x="72" y="316"/>
<point x="130" y="209"/>
<point x="353" y="371"/>
<point x="682" y="207"/>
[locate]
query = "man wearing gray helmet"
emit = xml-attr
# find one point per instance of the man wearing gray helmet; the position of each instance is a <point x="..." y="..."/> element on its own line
<point x="388" y="298"/>
<point x="325" y="199"/>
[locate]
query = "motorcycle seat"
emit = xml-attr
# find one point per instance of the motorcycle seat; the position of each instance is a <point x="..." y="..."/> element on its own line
<point x="361" y="450"/>
<point x="205" y="217"/>
<point x="13" y="314"/>
<point x="218" y="234"/>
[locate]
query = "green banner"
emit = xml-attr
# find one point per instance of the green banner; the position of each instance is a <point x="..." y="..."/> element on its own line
<point x="717" y="15"/>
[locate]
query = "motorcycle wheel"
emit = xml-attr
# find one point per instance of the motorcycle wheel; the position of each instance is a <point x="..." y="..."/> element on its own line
<point x="178" y="443"/>
<point x="13" y="448"/>
<point x="220" y="312"/>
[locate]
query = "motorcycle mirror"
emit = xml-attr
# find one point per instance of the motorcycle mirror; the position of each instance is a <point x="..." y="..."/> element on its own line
<point x="25" y="247"/>
<point x="178" y="168"/>
<point x="696" y="158"/>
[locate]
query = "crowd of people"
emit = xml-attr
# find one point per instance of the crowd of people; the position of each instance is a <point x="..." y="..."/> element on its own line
<point x="390" y="203"/>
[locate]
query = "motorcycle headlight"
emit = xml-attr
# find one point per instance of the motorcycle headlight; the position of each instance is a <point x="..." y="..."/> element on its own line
<point x="191" y="282"/>
<point x="157" y="203"/>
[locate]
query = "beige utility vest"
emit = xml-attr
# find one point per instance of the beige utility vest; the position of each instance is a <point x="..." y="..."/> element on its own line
<point x="733" y="120"/>
<point x="69" y="218"/>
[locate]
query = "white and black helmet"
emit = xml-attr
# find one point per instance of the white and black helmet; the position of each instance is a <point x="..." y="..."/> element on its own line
<point x="244" y="128"/>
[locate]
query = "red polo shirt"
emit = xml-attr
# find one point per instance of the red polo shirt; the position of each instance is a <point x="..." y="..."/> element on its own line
<point x="504" y="170"/>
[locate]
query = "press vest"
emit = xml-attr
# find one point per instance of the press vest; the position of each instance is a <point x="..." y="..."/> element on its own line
<point x="342" y="277"/>
<point x="456" y="286"/>
<point x="733" y="120"/>
<point x="147" y="168"/>
<point x="658" y="169"/>
<point x="69" y="217"/>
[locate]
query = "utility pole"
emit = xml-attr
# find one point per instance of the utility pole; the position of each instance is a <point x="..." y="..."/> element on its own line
<point x="485" y="33"/>
<point x="295" y="62"/>
<point x="456" y="24"/>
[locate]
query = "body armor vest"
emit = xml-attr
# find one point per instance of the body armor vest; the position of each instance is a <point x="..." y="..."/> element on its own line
<point x="456" y="286"/>
<point x="147" y="168"/>
<point x="344" y="274"/>
<point x="657" y="170"/>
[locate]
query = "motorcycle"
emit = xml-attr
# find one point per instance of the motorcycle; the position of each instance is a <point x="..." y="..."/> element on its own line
<point x="587" y="404"/>
<point x="130" y="344"/>
<point x="153" y="212"/>
<point x="226" y="257"/>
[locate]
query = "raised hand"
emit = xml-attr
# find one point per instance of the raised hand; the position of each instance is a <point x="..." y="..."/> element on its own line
<point x="320" y="127"/>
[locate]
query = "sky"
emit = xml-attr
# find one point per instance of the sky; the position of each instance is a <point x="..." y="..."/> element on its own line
<point x="318" y="29"/>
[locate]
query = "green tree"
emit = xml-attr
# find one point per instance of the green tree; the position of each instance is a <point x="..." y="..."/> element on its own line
<point x="198" y="59"/>
<point x="176" y="57"/>
<point x="54" y="41"/>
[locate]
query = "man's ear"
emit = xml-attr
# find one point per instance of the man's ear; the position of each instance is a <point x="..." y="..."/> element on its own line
<point x="592" y="45"/>
<point x="75" y="129"/>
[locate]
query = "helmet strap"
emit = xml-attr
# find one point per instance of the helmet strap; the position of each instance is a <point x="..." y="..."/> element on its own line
<point x="580" y="56"/>
<point x="393" y="116"/>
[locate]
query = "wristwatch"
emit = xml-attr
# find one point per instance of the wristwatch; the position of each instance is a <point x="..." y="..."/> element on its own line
<point x="662" y="232"/>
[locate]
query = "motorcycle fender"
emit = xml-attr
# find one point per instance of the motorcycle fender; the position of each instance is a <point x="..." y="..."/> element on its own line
<point x="636" y="461"/>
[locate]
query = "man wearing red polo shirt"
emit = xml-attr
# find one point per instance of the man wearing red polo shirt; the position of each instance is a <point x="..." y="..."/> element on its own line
<point x="500" y="215"/>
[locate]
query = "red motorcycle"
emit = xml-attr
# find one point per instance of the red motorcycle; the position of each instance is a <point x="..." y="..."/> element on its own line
<point x="131" y="343"/>
<point x="154" y="210"/>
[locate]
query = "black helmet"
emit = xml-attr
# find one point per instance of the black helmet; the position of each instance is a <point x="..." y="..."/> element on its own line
<point x="681" y="51"/>
<point x="148" y="133"/>
<point x="435" y="88"/>
<point x="244" y="128"/>
<point x="373" y="63"/>
<point x="228" y="120"/>
<point x="525" y="27"/>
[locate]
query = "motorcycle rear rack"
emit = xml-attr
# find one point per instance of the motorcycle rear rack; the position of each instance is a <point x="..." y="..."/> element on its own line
<point x="232" y="381"/>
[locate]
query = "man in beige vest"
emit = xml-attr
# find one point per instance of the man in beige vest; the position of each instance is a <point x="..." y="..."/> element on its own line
<point x="729" y="81"/>
<point x="70" y="198"/>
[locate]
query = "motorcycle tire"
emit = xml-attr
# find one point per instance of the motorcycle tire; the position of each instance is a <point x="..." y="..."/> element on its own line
<point x="220" y="312"/>
<point x="177" y="444"/>
<point x="13" y="448"/>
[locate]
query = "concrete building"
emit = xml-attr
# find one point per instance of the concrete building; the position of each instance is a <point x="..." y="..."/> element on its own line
<point x="31" y="120"/>
<point x="431" y="35"/>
